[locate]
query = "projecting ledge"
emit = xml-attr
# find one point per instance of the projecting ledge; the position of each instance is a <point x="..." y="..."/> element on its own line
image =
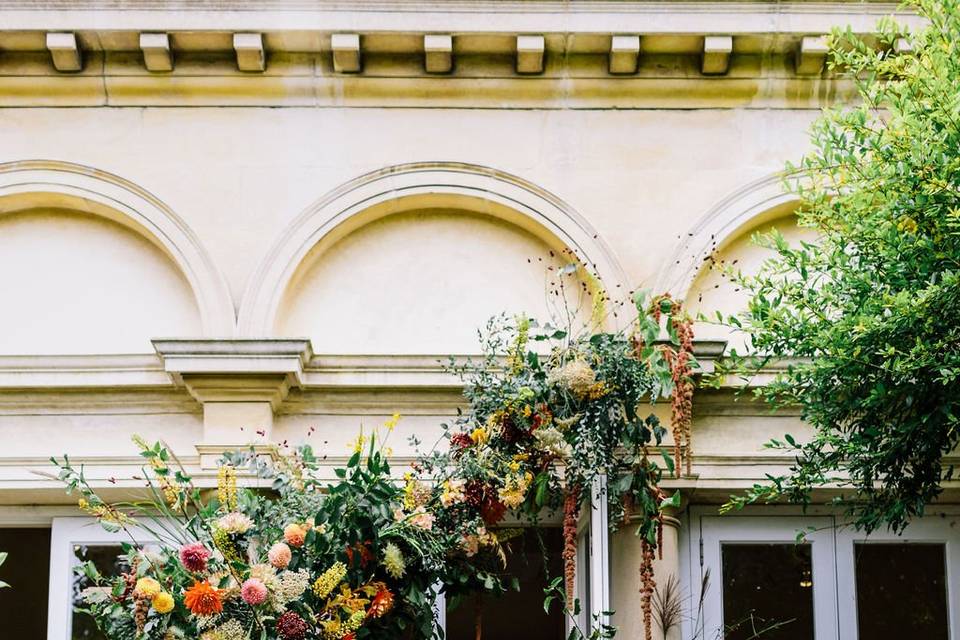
<point x="236" y="370"/>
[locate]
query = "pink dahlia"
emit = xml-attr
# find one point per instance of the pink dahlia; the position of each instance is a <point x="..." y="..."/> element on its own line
<point x="194" y="557"/>
<point x="279" y="555"/>
<point x="253" y="591"/>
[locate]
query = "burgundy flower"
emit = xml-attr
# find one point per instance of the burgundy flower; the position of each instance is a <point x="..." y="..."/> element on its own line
<point x="290" y="626"/>
<point x="473" y="493"/>
<point x="460" y="441"/>
<point x="194" y="557"/>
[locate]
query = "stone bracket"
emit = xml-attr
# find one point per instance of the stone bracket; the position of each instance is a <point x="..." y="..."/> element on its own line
<point x="242" y="370"/>
<point x="240" y="383"/>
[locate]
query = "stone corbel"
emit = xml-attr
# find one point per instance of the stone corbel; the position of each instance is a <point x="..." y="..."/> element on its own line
<point x="240" y="383"/>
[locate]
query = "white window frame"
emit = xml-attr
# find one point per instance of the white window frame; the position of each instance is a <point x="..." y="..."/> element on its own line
<point x="930" y="529"/>
<point x="713" y="530"/>
<point x="592" y="587"/>
<point x="773" y="524"/>
<point x="65" y="533"/>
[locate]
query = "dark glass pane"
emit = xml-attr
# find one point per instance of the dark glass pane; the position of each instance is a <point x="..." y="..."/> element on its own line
<point x="901" y="591"/>
<point x="106" y="558"/>
<point x="514" y="612"/>
<point x="767" y="591"/>
<point x="23" y="607"/>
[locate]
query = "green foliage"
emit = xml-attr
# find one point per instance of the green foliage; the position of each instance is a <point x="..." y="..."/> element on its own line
<point x="3" y="558"/>
<point x="867" y="319"/>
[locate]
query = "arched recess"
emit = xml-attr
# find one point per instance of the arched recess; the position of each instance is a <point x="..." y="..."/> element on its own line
<point x="750" y="206"/>
<point x="403" y="188"/>
<point x="51" y="184"/>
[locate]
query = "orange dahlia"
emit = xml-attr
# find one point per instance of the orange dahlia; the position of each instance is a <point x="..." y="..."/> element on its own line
<point x="202" y="599"/>
<point x="382" y="602"/>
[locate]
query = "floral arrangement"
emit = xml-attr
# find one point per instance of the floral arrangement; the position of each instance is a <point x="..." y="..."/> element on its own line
<point x="560" y="414"/>
<point x="309" y="560"/>
<point x="552" y="415"/>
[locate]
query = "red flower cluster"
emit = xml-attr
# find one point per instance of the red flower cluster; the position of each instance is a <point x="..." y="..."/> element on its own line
<point x="460" y="441"/>
<point x="290" y="626"/>
<point x="481" y="496"/>
<point x="362" y="551"/>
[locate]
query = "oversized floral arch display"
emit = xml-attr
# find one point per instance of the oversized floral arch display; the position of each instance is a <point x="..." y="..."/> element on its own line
<point x="553" y="409"/>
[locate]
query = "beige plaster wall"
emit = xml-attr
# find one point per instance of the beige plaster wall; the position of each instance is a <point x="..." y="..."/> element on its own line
<point x="238" y="176"/>
<point x="418" y="283"/>
<point x="78" y="284"/>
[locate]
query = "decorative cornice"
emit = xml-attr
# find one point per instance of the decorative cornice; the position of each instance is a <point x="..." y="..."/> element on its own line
<point x="286" y="54"/>
<point x="584" y="16"/>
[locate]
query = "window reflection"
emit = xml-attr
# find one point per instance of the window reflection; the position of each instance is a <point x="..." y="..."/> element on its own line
<point x="767" y="591"/>
<point x="522" y="610"/>
<point x="23" y="607"/>
<point x="109" y="562"/>
<point x="901" y="591"/>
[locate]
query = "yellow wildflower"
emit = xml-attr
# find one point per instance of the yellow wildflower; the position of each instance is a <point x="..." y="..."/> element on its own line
<point x="392" y="422"/>
<point x="907" y="225"/>
<point x="514" y="491"/>
<point x="480" y="435"/>
<point x="357" y="445"/>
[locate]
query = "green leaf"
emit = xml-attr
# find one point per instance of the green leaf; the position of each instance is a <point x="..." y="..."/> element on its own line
<point x="671" y="502"/>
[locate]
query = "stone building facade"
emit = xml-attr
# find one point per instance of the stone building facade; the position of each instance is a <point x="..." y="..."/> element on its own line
<point x="225" y="222"/>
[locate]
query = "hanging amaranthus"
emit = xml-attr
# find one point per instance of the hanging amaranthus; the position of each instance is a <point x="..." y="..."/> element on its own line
<point x="571" y="513"/>
<point x="678" y="358"/>
<point x="647" y="587"/>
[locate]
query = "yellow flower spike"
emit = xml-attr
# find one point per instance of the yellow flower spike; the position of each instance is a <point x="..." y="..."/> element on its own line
<point x="227" y="487"/>
<point x="329" y="580"/>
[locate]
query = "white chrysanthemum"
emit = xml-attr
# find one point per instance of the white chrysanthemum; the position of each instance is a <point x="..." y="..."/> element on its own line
<point x="234" y="522"/>
<point x="393" y="561"/>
